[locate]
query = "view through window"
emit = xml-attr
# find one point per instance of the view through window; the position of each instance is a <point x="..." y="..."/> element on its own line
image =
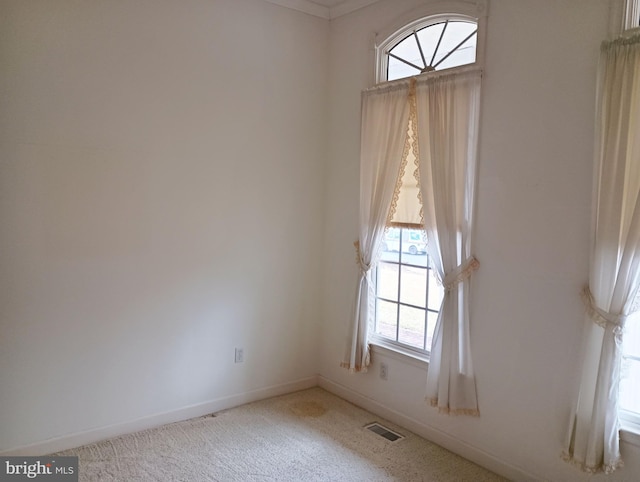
<point x="408" y="295"/>
<point x="630" y="376"/>
<point x="442" y="45"/>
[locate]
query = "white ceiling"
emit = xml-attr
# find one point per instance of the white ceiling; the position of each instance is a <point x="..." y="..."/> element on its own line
<point x="324" y="8"/>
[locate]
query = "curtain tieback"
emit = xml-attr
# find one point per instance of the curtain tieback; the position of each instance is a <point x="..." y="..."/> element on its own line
<point x="601" y="317"/>
<point x="364" y="268"/>
<point x="460" y="273"/>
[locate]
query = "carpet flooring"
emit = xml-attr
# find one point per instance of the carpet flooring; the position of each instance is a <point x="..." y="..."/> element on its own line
<point x="309" y="435"/>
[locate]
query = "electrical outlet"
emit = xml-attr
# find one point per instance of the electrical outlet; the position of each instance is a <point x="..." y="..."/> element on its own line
<point x="384" y="371"/>
<point x="239" y="355"/>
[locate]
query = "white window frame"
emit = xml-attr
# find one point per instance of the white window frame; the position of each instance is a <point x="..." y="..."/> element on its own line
<point x="425" y="16"/>
<point x="462" y="10"/>
<point x="629" y="427"/>
<point x="387" y="342"/>
<point x="631" y="420"/>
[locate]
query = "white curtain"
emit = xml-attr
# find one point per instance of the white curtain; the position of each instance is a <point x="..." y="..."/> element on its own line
<point x="448" y="116"/>
<point x="385" y="116"/>
<point x="592" y="438"/>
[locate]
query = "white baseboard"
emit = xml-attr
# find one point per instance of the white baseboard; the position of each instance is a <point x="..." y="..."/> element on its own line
<point x="95" y="435"/>
<point x="430" y="433"/>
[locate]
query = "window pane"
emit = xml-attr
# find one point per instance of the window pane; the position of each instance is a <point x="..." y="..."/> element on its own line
<point x="391" y="245"/>
<point x="399" y="70"/>
<point x="456" y="32"/>
<point x="387" y="281"/>
<point x="432" y="319"/>
<point x="408" y="50"/>
<point x="632" y="336"/>
<point x="429" y="37"/>
<point x="630" y="377"/>
<point x="436" y="292"/>
<point x="414" y="286"/>
<point x="414" y="241"/>
<point x="630" y="386"/>
<point x="386" y="319"/>
<point x="388" y="255"/>
<point x="420" y="259"/>
<point x="411" y="327"/>
<point x="466" y="54"/>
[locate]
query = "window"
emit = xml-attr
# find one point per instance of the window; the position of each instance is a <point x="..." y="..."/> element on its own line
<point x="408" y="295"/>
<point x="442" y="45"/>
<point x="430" y="44"/>
<point x="629" y="402"/>
<point x="630" y="371"/>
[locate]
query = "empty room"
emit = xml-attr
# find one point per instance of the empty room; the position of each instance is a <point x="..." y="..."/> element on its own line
<point x="268" y="224"/>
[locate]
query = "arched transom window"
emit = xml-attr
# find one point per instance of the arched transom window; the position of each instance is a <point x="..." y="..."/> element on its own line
<point x="408" y="294"/>
<point x="432" y="44"/>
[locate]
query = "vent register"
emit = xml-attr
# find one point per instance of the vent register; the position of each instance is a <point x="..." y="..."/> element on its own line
<point x="384" y="432"/>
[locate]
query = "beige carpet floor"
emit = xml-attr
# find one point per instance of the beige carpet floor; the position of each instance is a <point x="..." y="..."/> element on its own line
<point x="310" y="435"/>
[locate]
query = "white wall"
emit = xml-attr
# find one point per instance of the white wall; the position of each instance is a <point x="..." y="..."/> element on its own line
<point x="534" y="202"/>
<point x="161" y="198"/>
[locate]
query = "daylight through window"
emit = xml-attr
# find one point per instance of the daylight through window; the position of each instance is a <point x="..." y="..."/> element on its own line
<point x="630" y="373"/>
<point x="442" y="45"/>
<point x="408" y="296"/>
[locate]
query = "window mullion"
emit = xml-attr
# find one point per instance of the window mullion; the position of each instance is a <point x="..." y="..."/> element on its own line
<point x="405" y="61"/>
<point x="435" y="52"/>
<point x="424" y="62"/>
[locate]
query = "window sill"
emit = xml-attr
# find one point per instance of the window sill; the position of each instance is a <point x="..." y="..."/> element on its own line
<point x="630" y="432"/>
<point x="382" y="348"/>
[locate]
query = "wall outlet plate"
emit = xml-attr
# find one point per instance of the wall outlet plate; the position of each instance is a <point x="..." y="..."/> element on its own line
<point x="384" y="371"/>
<point x="239" y="355"/>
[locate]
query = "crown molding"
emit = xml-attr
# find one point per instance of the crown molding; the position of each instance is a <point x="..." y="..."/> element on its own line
<point x="305" y="6"/>
<point x="322" y="11"/>
<point x="349" y="6"/>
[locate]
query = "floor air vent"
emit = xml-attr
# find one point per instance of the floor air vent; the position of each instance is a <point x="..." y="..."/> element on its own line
<point x="384" y="431"/>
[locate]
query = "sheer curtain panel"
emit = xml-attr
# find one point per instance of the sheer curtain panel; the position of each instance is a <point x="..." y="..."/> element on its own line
<point x="592" y="438"/>
<point x="385" y="116"/>
<point x="448" y="116"/>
